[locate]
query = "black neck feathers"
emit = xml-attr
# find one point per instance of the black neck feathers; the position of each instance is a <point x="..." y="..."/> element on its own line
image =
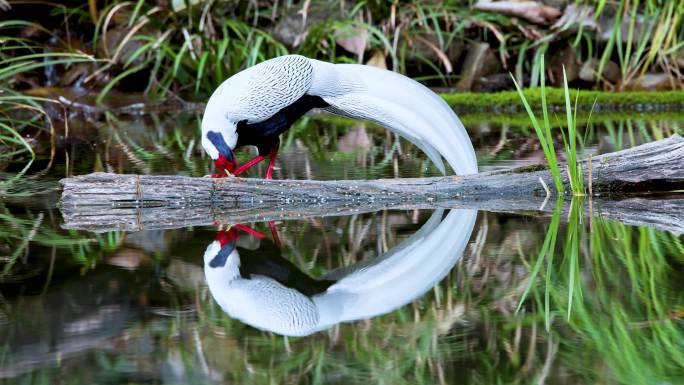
<point x="267" y="262"/>
<point x="264" y="135"/>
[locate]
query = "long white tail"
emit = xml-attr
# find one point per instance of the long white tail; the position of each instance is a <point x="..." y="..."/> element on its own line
<point x="399" y="104"/>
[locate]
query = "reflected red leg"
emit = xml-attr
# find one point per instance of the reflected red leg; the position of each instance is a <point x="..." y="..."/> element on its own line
<point x="274" y="233"/>
<point x="249" y="230"/>
<point x="271" y="161"/>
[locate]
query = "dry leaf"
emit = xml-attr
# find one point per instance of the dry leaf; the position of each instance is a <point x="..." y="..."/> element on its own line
<point x="575" y="17"/>
<point x="379" y="59"/>
<point x="528" y="10"/>
<point x="440" y="54"/>
<point x="490" y="26"/>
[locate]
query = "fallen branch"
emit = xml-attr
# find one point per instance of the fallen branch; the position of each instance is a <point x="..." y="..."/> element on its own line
<point x="103" y="202"/>
<point x="529" y="10"/>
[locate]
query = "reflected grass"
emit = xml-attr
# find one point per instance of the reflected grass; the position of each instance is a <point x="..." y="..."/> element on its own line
<point x="608" y="295"/>
<point x="618" y="288"/>
<point x="21" y="234"/>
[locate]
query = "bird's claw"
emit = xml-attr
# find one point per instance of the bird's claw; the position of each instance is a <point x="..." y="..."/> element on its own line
<point x="218" y="175"/>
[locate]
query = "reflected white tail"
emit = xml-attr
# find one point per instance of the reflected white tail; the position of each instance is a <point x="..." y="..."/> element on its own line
<point x="415" y="266"/>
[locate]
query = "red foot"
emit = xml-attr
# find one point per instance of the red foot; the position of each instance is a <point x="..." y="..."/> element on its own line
<point x="254" y="161"/>
<point x="271" y="161"/>
<point x="226" y="236"/>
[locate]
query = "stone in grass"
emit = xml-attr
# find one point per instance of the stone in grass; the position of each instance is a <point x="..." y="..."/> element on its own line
<point x="378" y="59"/>
<point x="650" y="82"/>
<point x="566" y="58"/>
<point x="291" y="29"/>
<point x="495" y="83"/>
<point x="557" y="4"/>
<point x="479" y="62"/>
<point x="643" y="26"/>
<point x="589" y="71"/>
<point x="680" y="58"/>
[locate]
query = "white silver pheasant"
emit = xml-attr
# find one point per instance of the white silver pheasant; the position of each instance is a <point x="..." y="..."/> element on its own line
<point x="256" y="105"/>
<point x="272" y="294"/>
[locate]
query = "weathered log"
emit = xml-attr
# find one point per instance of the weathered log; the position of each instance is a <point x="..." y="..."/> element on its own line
<point x="103" y="202"/>
<point x="663" y="214"/>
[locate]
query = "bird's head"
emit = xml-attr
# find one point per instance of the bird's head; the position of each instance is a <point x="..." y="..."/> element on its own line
<point x="224" y="245"/>
<point x="219" y="136"/>
<point x="218" y="251"/>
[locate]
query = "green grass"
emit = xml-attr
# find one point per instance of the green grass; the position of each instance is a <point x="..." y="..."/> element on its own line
<point x="188" y="58"/>
<point x="23" y="116"/>
<point x="574" y="167"/>
<point x="545" y="254"/>
<point x="188" y="51"/>
<point x="621" y="299"/>
<point x="544" y="133"/>
<point x="546" y="139"/>
<point x="36" y="230"/>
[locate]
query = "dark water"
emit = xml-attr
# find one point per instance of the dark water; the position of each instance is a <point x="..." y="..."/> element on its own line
<point x="389" y="297"/>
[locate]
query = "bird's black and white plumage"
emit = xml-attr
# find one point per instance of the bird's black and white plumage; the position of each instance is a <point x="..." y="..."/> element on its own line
<point x="256" y="105"/>
<point x="272" y="294"/>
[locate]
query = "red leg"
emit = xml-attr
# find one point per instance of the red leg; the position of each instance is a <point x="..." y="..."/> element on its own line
<point x="245" y="166"/>
<point x="274" y="233"/>
<point x="250" y="231"/>
<point x="232" y="233"/>
<point x="271" y="161"/>
<point x="259" y="234"/>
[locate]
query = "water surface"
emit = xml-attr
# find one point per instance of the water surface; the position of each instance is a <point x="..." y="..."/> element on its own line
<point x="398" y="296"/>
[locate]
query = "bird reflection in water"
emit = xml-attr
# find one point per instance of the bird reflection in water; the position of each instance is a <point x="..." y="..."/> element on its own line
<point x="270" y="293"/>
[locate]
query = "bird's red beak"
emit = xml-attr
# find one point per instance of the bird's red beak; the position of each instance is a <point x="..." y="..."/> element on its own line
<point x="224" y="164"/>
<point x="226" y="236"/>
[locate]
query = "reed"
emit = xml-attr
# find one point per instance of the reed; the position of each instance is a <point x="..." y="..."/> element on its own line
<point x="22" y="115"/>
<point x="614" y="285"/>
<point x="544" y="135"/>
<point x="569" y="134"/>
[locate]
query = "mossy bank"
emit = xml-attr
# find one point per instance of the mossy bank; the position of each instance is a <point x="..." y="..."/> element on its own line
<point x="599" y="101"/>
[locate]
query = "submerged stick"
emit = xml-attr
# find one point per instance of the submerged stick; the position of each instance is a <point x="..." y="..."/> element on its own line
<point x="105" y="202"/>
